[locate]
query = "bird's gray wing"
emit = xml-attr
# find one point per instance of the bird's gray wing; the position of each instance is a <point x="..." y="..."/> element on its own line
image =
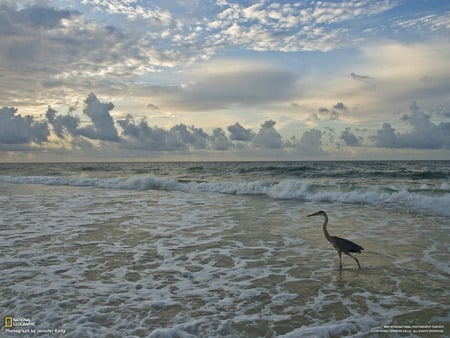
<point x="347" y="246"/>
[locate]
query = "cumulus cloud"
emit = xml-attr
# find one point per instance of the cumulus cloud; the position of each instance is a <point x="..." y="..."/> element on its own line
<point x="21" y="130"/>
<point x="139" y="135"/>
<point x="191" y="135"/>
<point x="310" y="142"/>
<point x="220" y="141"/>
<point x="268" y="137"/>
<point x="103" y="124"/>
<point x="349" y="138"/>
<point x="424" y="133"/>
<point x="102" y="127"/>
<point x="239" y="133"/>
<point x="63" y="123"/>
<point x="340" y="106"/>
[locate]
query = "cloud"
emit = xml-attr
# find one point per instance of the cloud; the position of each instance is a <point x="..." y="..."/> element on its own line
<point x="138" y="138"/>
<point x="192" y="135"/>
<point x="310" y="142"/>
<point x="408" y="72"/>
<point x="133" y="11"/>
<point x="363" y="78"/>
<point x="334" y="12"/>
<point x="62" y="123"/>
<point x="332" y="115"/>
<point x="62" y="51"/>
<point x="424" y="133"/>
<point x="268" y="137"/>
<point x="349" y="138"/>
<point x="340" y="106"/>
<point x="153" y="106"/>
<point x="219" y="141"/>
<point x="301" y="26"/>
<point x="103" y="124"/>
<point x="19" y="130"/>
<point x="435" y="22"/>
<point x="239" y="133"/>
<point x="220" y="84"/>
<point x="102" y="127"/>
<point x="114" y="47"/>
<point x="15" y="21"/>
<point x="143" y="137"/>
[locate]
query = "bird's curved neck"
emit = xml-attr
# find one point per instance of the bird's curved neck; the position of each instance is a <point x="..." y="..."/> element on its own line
<point x="325" y="231"/>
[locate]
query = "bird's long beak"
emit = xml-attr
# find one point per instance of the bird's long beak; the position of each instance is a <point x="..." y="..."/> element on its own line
<point x="315" y="214"/>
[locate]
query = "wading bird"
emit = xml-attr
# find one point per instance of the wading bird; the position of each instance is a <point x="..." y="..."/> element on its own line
<point x="342" y="245"/>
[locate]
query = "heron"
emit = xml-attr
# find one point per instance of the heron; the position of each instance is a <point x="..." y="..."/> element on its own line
<point x="341" y="245"/>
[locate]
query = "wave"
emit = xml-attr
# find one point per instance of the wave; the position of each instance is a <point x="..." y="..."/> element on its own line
<point x="426" y="199"/>
<point x="340" y="170"/>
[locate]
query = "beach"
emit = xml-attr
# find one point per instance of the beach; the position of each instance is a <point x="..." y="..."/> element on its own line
<point x="224" y="249"/>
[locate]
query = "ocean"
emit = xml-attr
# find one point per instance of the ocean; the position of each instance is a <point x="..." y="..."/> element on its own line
<point x="224" y="249"/>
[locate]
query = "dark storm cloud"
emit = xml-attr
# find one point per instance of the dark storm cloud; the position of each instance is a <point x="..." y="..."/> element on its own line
<point x="239" y="133"/>
<point x="17" y="129"/>
<point x="424" y="133"/>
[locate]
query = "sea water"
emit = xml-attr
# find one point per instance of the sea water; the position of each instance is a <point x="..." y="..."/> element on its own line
<point x="224" y="249"/>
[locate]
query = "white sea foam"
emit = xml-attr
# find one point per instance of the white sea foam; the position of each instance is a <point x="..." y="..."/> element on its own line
<point x="415" y="201"/>
<point x="159" y="257"/>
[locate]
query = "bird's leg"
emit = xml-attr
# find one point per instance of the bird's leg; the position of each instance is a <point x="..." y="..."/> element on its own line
<point x="357" y="262"/>
<point x="340" y="260"/>
<point x="356" y="259"/>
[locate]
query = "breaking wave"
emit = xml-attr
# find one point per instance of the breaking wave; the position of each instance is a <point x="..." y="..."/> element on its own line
<point x="424" y="200"/>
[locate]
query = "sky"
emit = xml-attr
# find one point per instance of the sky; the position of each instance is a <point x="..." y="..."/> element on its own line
<point x="112" y="80"/>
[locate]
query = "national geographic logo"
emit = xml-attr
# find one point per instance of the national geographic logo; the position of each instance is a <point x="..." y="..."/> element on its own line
<point x="27" y="326"/>
<point x="11" y="322"/>
<point x="8" y="322"/>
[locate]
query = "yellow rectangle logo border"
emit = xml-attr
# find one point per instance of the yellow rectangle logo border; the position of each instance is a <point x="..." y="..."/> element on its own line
<point x="8" y="322"/>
